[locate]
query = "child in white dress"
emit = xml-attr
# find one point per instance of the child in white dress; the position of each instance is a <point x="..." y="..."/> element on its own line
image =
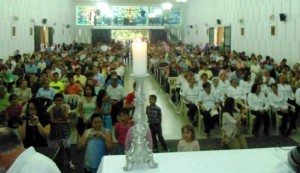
<point x="188" y="141"/>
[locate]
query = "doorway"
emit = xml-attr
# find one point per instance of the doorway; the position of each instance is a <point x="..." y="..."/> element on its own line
<point x="43" y="37"/>
<point x="220" y="35"/>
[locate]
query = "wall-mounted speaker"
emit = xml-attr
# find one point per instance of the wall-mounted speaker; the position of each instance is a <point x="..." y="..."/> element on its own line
<point x="44" y="21"/>
<point x="218" y="21"/>
<point x="282" y="17"/>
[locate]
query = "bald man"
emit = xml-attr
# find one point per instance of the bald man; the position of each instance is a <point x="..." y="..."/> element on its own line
<point x="14" y="158"/>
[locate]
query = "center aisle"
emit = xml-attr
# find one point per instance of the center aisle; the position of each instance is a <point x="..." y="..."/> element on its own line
<point x="172" y="121"/>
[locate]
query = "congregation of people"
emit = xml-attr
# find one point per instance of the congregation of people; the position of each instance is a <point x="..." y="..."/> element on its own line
<point x="40" y="93"/>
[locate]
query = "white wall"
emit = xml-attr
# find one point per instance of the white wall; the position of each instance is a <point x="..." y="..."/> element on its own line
<point x="257" y="24"/>
<point x="61" y="12"/>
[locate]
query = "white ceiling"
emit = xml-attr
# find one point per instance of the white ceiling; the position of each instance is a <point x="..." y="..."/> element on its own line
<point x="128" y="1"/>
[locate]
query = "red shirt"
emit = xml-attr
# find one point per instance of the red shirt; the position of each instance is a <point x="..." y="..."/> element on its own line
<point x="129" y="99"/>
<point x="121" y="131"/>
<point x="73" y="88"/>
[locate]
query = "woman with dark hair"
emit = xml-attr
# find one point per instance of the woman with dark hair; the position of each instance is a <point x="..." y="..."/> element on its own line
<point x="36" y="124"/>
<point x="232" y="118"/>
<point x="60" y="126"/>
<point x="86" y="107"/>
<point x="259" y="105"/>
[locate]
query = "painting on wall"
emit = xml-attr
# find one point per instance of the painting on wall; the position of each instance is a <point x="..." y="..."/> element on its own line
<point x="13" y="31"/>
<point x="127" y="15"/>
<point x="273" y="30"/>
<point x="91" y="15"/>
<point x="130" y="15"/>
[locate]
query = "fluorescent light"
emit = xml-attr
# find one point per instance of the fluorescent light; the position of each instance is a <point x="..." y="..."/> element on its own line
<point x="158" y="11"/>
<point x="151" y="15"/>
<point x="166" y="6"/>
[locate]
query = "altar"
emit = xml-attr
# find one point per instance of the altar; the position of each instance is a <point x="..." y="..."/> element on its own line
<point x="262" y="160"/>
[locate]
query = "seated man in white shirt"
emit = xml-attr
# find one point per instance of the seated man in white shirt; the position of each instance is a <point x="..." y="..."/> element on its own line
<point x="190" y="94"/>
<point x="117" y="96"/>
<point x="14" y="158"/>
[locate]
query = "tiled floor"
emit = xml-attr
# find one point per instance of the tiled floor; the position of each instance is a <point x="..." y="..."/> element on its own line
<point x="172" y="119"/>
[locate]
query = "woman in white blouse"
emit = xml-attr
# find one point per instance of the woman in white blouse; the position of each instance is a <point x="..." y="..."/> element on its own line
<point x="259" y="105"/>
<point x="277" y="102"/>
<point x="246" y="83"/>
<point x="286" y="89"/>
<point x="231" y="122"/>
<point x="208" y="103"/>
<point x="217" y="89"/>
<point x="223" y="82"/>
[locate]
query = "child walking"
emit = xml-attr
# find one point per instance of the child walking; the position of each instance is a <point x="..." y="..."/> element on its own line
<point x="154" y="119"/>
<point x="97" y="141"/>
<point x="121" y="129"/>
<point x="188" y="141"/>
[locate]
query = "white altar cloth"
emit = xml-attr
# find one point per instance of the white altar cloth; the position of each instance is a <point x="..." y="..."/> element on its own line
<point x="262" y="160"/>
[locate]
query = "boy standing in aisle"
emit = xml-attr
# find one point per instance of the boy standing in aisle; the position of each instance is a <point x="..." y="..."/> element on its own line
<point x="154" y="119"/>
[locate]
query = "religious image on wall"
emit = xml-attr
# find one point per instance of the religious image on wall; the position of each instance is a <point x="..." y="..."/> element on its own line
<point x="156" y="16"/>
<point x="127" y="16"/>
<point x="123" y="35"/>
<point x="130" y="15"/>
<point x="91" y="15"/>
<point x="166" y="17"/>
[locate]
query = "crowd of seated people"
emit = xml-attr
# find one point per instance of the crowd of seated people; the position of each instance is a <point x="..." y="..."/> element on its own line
<point x="231" y="74"/>
<point x="205" y="79"/>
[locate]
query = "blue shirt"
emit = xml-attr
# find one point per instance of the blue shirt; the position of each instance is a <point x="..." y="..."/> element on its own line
<point x="100" y="79"/>
<point x="31" y="69"/>
<point x="49" y="93"/>
<point x="119" y="82"/>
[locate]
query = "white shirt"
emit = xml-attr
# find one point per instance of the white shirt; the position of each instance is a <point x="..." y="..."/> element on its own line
<point x="257" y="102"/>
<point x="246" y="86"/>
<point x="117" y="93"/>
<point x="224" y="84"/>
<point x="219" y="92"/>
<point x="120" y="70"/>
<point x="236" y="93"/>
<point x="271" y="80"/>
<point x="208" y="101"/>
<point x="229" y="124"/>
<point x="286" y="90"/>
<point x="191" y="94"/>
<point x="277" y="101"/>
<point x="181" y="81"/>
<point x="41" y="65"/>
<point x="297" y="95"/>
<point x="33" y="162"/>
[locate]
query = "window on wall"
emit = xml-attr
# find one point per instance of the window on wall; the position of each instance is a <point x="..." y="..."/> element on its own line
<point x="127" y="15"/>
